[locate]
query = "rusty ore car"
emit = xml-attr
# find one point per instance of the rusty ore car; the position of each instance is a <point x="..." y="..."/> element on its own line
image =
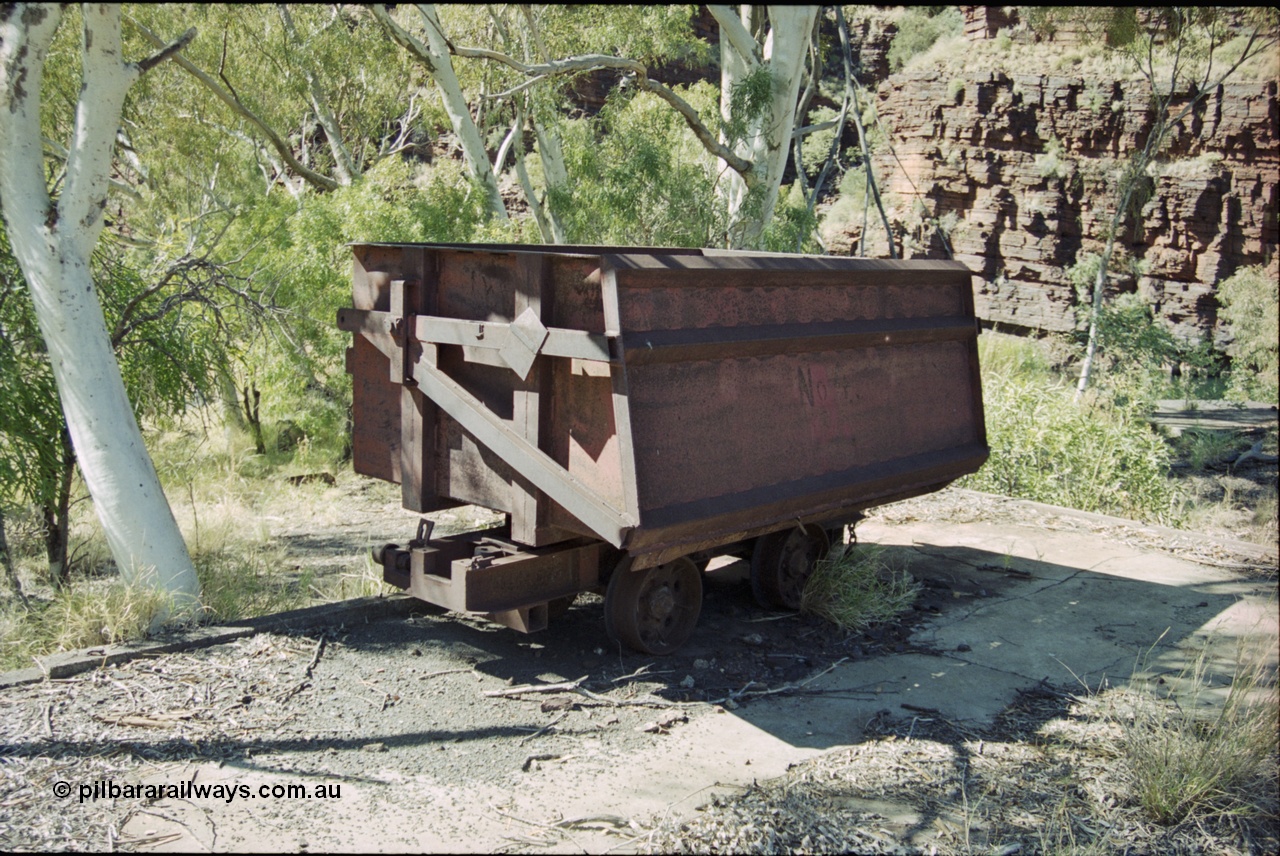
<point x="637" y="412"/>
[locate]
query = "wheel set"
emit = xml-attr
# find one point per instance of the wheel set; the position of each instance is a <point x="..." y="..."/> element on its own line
<point x="655" y="610"/>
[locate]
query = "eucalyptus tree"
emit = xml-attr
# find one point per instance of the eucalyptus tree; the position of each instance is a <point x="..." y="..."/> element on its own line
<point x="763" y="56"/>
<point x="762" y="62"/>
<point x="53" y="227"/>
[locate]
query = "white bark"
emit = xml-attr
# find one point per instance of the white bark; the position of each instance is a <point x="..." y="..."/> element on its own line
<point x="768" y="136"/>
<point x="553" y="172"/>
<point x="344" y="166"/>
<point x="434" y="56"/>
<point x="52" y="244"/>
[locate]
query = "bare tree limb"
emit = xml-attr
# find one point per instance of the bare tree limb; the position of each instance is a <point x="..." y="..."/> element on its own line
<point x="852" y="86"/>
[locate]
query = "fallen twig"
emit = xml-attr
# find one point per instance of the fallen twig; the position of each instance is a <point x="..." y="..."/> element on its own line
<point x="612" y="820"/>
<point x="315" y="658"/>
<point x="566" y="686"/>
<point x="603" y="699"/>
<point x="444" y="672"/>
<point x="552" y="724"/>
<point x="748" y="693"/>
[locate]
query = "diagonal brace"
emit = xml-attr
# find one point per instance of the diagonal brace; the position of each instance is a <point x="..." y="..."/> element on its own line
<point x="530" y="462"/>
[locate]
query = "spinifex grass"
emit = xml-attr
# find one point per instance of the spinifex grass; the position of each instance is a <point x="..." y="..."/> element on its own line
<point x="855" y="587"/>
<point x="1200" y="749"/>
<point x="84" y="615"/>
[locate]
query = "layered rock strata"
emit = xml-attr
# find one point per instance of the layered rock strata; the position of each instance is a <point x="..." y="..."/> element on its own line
<point x="1021" y="172"/>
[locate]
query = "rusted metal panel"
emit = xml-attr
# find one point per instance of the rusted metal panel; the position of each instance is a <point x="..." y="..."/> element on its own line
<point x="667" y="401"/>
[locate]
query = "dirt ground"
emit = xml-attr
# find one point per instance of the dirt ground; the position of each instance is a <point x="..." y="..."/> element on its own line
<point x="417" y="730"/>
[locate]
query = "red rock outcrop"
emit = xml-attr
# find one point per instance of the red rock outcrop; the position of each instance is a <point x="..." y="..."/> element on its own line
<point x="1025" y="167"/>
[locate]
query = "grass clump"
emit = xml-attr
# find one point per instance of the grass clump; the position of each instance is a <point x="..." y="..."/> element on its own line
<point x="80" y="616"/>
<point x="248" y="584"/>
<point x="856" y="587"/>
<point x="367" y="582"/>
<point x="1203" y="750"/>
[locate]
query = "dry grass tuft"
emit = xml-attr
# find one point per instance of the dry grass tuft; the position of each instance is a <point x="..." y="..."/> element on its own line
<point x="1199" y="749"/>
<point x="855" y="587"/>
<point x="93" y="613"/>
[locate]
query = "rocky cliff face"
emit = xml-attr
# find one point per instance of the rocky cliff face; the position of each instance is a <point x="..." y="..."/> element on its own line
<point x="1024" y="167"/>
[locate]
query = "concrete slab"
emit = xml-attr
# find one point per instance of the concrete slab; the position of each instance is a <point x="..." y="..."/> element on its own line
<point x="1023" y="605"/>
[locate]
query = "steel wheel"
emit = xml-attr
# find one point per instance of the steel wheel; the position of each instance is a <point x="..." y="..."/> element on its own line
<point x="655" y="610"/>
<point x="782" y="563"/>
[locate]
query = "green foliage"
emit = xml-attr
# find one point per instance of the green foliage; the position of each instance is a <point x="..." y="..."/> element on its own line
<point x="31" y="458"/>
<point x="1129" y="334"/>
<point x="748" y="100"/>
<point x="919" y="28"/>
<point x="793" y="227"/>
<point x="1134" y="348"/>
<point x="640" y="177"/>
<point x="297" y="252"/>
<point x="185" y="130"/>
<point x="1097" y="455"/>
<point x="1250" y="301"/>
<point x="1053" y="162"/>
<point x="1117" y="26"/>
<point x="817" y="146"/>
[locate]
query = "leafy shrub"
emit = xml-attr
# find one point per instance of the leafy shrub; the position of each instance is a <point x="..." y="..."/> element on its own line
<point x="818" y="144"/>
<point x="1053" y="163"/>
<point x="1097" y="455"/>
<point x="919" y="28"/>
<point x="640" y="177"/>
<point x="1249" y="301"/>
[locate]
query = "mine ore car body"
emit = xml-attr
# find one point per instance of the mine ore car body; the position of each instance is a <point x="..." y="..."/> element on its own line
<point x="634" y="412"/>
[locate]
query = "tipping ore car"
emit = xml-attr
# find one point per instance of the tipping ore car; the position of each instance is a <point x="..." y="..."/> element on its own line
<point x="635" y="412"/>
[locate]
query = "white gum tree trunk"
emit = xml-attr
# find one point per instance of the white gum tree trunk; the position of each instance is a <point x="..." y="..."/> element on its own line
<point x="436" y="59"/>
<point x="53" y="242"/>
<point x="768" y="138"/>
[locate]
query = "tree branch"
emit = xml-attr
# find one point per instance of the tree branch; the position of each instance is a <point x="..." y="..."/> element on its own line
<point x="740" y="165"/>
<point x="736" y="34"/>
<point x="343" y="164"/>
<point x="852" y="85"/>
<point x="434" y="56"/>
<point x="317" y="180"/>
<point x="155" y="59"/>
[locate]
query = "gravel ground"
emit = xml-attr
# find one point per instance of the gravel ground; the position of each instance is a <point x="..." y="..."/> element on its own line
<point x="402" y="696"/>
<point x="426" y="713"/>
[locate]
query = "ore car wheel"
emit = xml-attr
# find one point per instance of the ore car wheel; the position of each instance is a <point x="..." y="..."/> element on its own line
<point x="782" y="563"/>
<point x="655" y="610"/>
